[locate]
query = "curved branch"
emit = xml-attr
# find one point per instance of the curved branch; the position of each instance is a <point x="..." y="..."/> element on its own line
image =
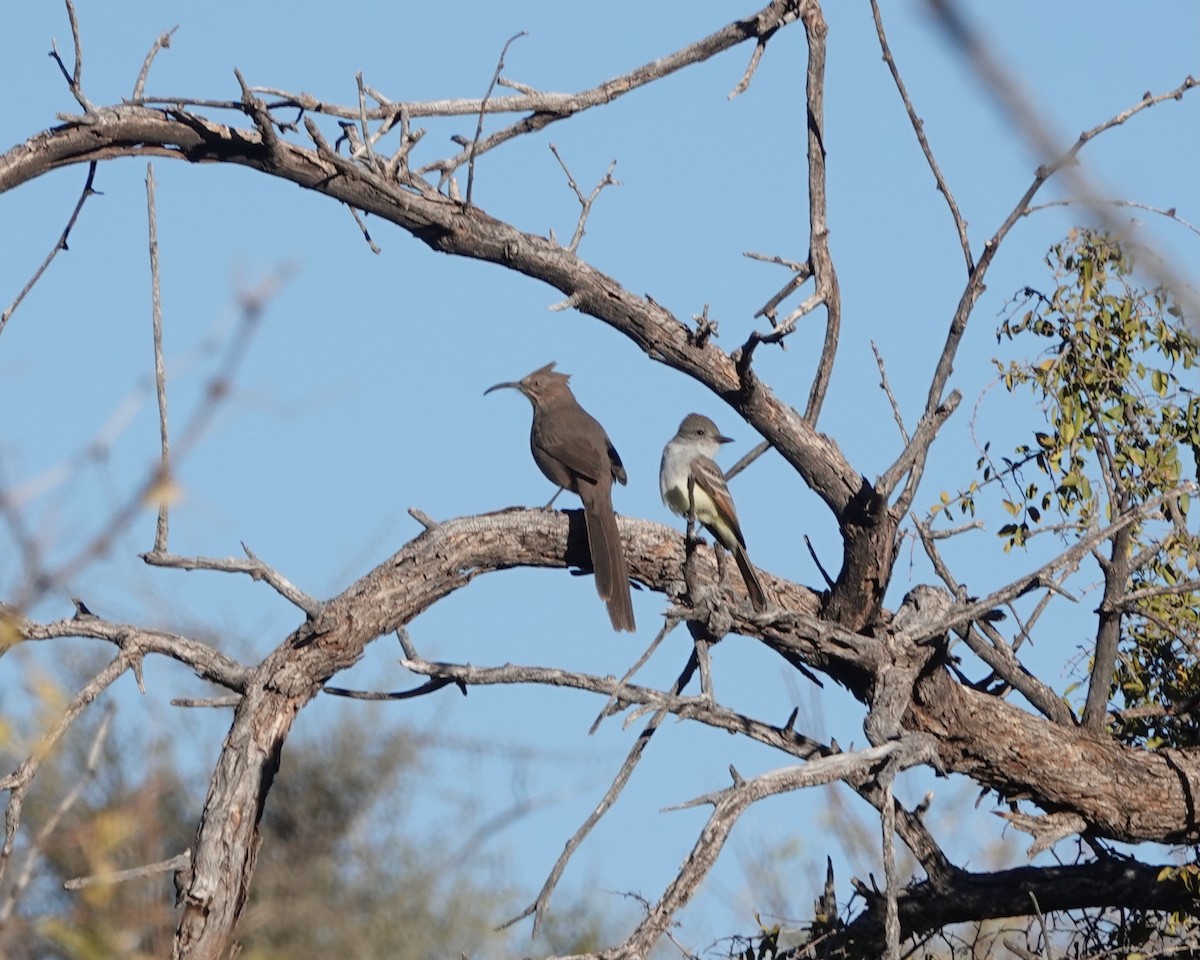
<point x="819" y="256"/>
<point x="207" y="662"/>
<point x="971" y="897"/>
<point x="448" y="227"/>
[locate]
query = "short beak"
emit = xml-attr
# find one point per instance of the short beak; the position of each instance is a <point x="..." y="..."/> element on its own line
<point x="721" y="439"/>
<point x="499" y="386"/>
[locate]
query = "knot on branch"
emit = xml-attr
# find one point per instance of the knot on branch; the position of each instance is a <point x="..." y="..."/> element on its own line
<point x="1046" y="830"/>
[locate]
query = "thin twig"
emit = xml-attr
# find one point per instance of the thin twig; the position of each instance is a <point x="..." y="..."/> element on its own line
<point x="918" y="126"/>
<point x="60" y="245"/>
<point x="251" y="566"/>
<point x="755" y="58"/>
<point x="829" y="581"/>
<point x="177" y="862"/>
<point x="669" y="624"/>
<point x="423" y="690"/>
<point x="362" y="119"/>
<point x="160" y="372"/>
<point x="757" y="451"/>
<point x="1169" y="212"/>
<point x="702" y="711"/>
<point x="540" y="904"/>
<point x="482" y="106"/>
<point x="363" y="227"/>
<point x="1037" y="131"/>
<point x="887" y="387"/>
<point x="253" y="303"/>
<point x="81" y="782"/>
<point x="824" y="273"/>
<point x="219" y="702"/>
<point x="966" y="613"/>
<point x="162" y="43"/>
<point x="17" y="783"/>
<point x="728" y="806"/>
<point x="1000" y="657"/>
<point x="545" y="109"/>
<point x="205" y="661"/>
<point x="585" y="203"/>
<point x="73" y="77"/>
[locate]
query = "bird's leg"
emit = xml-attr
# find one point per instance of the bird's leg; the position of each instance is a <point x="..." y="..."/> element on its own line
<point x="703" y="647"/>
<point x="719" y="553"/>
<point x="690" y="536"/>
<point x="553" y="498"/>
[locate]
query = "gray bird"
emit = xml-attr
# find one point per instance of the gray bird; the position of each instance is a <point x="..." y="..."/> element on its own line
<point x="693" y="486"/>
<point x="573" y="451"/>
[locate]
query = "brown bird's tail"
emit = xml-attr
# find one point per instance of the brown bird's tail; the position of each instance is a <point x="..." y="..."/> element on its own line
<point x="753" y="585"/>
<point x="608" y="556"/>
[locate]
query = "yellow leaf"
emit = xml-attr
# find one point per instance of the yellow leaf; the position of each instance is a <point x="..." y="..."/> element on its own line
<point x="164" y="493"/>
<point x="10" y="633"/>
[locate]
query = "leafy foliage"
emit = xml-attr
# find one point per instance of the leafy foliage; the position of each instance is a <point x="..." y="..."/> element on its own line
<point x="1120" y="416"/>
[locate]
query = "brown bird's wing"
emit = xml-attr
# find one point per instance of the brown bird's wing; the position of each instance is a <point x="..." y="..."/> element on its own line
<point x="618" y="468"/>
<point x="572" y="439"/>
<point x="709" y="478"/>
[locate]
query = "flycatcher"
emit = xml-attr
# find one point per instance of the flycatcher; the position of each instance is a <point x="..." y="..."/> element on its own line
<point x="693" y="486"/>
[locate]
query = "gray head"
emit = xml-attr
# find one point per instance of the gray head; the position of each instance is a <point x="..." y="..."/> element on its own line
<point x="542" y="382"/>
<point x="698" y="430"/>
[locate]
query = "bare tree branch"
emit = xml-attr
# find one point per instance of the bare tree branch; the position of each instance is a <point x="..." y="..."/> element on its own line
<point x="60" y="245"/>
<point x="160" y="371"/>
<point x="19" y="781"/>
<point x="728" y="806"/>
<point x="161" y="43"/>
<point x="1065" y="160"/>
<point x="585" y="203"/>
<point x="252" y="566"/>
<point x="74" y="77"/>
<point x="919" y="129"/>
<point x="178" y="862"/>
<point x="471" y="153"/>
<point x="91" y="763"/>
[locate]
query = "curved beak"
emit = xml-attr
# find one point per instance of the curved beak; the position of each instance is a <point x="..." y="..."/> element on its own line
<point x="500" y="386"/>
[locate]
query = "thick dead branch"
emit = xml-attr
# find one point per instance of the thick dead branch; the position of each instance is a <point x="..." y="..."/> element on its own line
<point x="969" y="897"/>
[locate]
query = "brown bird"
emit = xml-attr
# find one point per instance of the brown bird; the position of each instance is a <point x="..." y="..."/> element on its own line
<point x="573" y="451"/>
<point x="693" y="486"/>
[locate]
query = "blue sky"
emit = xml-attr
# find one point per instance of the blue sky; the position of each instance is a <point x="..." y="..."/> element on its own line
<point x="364" y="364"/>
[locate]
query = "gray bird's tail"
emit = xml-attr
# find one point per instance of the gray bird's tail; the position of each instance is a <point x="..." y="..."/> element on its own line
<point x="753" y="585"/>
<point x="608" y="556"/>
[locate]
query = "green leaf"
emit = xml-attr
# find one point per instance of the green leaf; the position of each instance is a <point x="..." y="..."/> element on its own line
<point x="1159" y="382"/>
